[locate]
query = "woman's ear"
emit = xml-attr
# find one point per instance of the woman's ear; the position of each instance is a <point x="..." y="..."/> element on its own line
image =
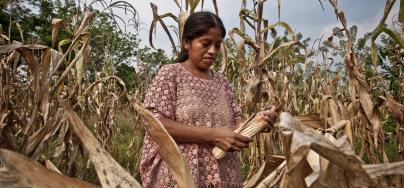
<point x="185" y="44"/>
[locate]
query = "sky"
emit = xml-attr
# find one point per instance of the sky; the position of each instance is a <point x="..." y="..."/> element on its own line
<point x="305" y="16"/>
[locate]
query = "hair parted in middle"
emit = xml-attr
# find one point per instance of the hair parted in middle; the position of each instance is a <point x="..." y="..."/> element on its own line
<point x="196" y="25"/>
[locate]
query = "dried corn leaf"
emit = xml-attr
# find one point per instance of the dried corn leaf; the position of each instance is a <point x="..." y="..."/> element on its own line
<point x="285" y="25"/>
<point x="194" y="4"/>
<point x="296" y="170"/>
<point x="78" y="57"/>
<point x="305" y="139"/>
<point x="20" y="30"/>
<point x="168" y="149"/>
<point x="45" y="67"/>
<point x="284" y="45"/>
<point x="371" y="112"/>
<point x="295" y="177"/>
<point x="264" y="171"/>
<point x="153" y="25"/>
<point x="109" y="172"/>
<point x="37" y="140"/>
<point x="104" y="79"/>
<point x="57" y="24"/>
<point x="87" y="19"/>
<point x="6" y="49"/>
<point x="396" y="109"/>
<point x="18" y="171"/>
<point x="49" y="165"/>
<point x="3" y="116"/>
<point x="216" y="7"/>
<point x="273" y="178"/>
<point x="334" y="176"/>
<point x="310" y="120"/>
<point x="378" y="170"/>
<point x="313" y="159"/>
<point x="181" y="22"/>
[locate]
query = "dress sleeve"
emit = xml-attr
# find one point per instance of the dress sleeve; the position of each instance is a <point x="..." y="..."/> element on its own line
<point x="161" y="95"/>
<point x="234" y="105"/>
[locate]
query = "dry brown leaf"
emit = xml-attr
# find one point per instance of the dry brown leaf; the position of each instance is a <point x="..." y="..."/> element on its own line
<point x="168" y="149"/>
<point x="33" y="65"/>
<point x="368" y="107"/>
<point x="6" y="49"/>
<point x="305" y="139"/>
<point x="311" y="120"/>
<point x="274" y="177"/>
<point x="377" y="170"/>
<point x="109" y="172"/>
<point x="49" y="165"/>
<point x="153" y="25"/>
<point x="20" y="30"/>
<point x="181" y="22"/>
<point x="57" y="24"/>
<point x="45" y="67"/>
<point x="313" y="159"/>
<point x="265" y="170"/>
<point x="396" y="109"/>
<point x="37" y="140"/>
<point x="79" y="55"/>
<point x="87" y="19"/>
<point x="296" y="177"/>
<point x="18" y="171"/>
<point x="3" y="116"/>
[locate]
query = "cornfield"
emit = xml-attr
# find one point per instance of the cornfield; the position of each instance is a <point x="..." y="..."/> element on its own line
<point x="340" y="126"/>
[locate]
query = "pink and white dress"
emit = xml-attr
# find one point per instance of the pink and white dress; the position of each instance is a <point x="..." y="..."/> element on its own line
<point x="177" y="94"/>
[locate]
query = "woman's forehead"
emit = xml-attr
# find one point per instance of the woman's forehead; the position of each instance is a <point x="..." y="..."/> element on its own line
<point x="213" y="33"/>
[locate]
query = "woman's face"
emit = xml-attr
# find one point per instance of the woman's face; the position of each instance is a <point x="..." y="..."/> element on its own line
<point x="202" y="51"/>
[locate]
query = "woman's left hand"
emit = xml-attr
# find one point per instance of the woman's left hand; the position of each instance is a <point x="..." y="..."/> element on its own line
<point x="268" y="117"/>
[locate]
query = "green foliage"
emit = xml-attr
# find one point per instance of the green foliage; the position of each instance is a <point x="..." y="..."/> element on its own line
<point x="128" y="158"/>
<point x="391" y="145"/>
<point x="12" y="11"/>
<point x="390" y="69"/>
<point x="109" y="43"/>
<point x="111" y="48"/>
<point x="127" y="74"/>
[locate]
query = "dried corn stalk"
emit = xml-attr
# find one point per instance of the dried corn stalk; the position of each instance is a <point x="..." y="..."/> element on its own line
<point x="317" y="160"/>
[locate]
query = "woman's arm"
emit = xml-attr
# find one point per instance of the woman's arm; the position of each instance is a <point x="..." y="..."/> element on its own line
<point x="223" y="137"/>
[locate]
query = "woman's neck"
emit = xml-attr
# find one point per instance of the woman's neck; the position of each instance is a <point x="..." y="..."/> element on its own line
<point x="198" y="72"/>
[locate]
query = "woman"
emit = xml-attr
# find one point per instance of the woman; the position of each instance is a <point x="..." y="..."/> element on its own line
<point x="198" y="109"/>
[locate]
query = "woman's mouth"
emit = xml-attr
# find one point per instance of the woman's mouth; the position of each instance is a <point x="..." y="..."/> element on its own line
<point x="209" y="59"/>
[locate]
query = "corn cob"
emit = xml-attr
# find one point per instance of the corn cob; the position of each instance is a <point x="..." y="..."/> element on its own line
<point x="249" y="129"/>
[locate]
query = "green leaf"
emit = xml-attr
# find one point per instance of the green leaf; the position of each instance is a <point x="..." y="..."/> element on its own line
<point x="375" y="57"/>
<point x="395" y="36"/>
<point x="194" y="5"/>
<point x="62" y="43"/>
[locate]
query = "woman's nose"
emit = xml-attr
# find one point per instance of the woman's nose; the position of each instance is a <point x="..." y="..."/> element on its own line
<point x="213" y="49"/>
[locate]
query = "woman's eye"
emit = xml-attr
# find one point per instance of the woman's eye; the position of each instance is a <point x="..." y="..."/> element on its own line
<point x="205" y="45"/>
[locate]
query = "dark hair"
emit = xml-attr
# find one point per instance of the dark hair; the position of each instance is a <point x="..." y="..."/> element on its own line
<point x="197" y="25"/>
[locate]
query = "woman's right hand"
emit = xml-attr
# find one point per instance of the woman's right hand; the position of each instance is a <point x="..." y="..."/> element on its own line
<point x="227" y="140"/>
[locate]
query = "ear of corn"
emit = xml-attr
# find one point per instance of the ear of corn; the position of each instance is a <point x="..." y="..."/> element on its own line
<point x="249" y="129"/>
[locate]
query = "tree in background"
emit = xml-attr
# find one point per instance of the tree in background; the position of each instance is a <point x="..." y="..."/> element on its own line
<point x="113" y="51"/>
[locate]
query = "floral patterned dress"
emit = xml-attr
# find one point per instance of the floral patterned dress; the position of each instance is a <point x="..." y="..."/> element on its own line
<point x="177" y="94"/>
